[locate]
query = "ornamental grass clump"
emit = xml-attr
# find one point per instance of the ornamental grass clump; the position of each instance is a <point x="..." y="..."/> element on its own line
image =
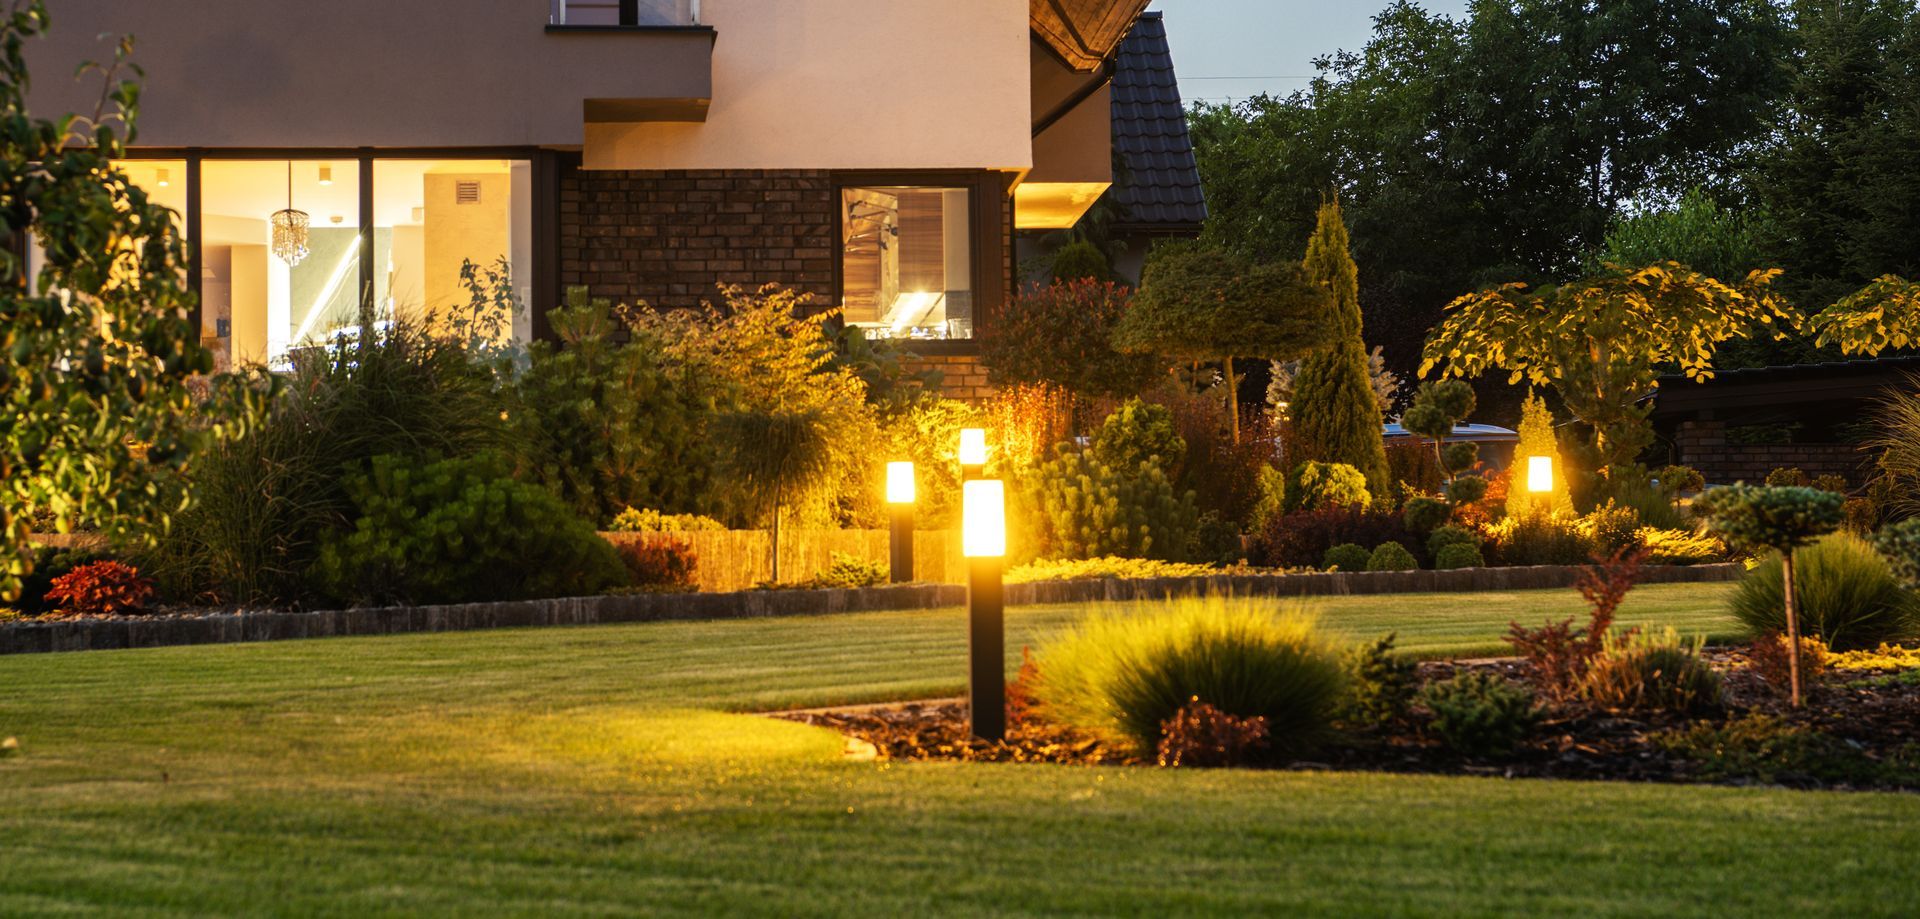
<point x="1844" y="593"/>
<point x="1637" y="671"/>
<point x="1121" y="677"/>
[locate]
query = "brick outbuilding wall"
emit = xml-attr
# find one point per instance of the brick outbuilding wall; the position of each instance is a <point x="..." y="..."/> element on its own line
<point x="1704" y="446"/>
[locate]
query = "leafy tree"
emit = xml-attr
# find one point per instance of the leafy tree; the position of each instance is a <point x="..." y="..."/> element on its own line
<point x="1537" y="438"/>
<point x="1780" y="519"/>
<point x="1199" y="302"/>
<point x="1061" y="334"/>
<point x="1841" y="179"/>
<point x="1885" y="314"/>
<point x="1602" y="342"/>
<point x="1696" y="232"/>
<point x="94" y="406"/>
<point x="1336" y="413"/>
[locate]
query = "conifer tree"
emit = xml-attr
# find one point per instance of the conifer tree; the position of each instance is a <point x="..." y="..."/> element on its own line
<point x="1537" y="439"/>
<point x="1336" y="416"/>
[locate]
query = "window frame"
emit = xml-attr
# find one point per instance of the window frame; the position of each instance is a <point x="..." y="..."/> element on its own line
<point x="987" y="212"/>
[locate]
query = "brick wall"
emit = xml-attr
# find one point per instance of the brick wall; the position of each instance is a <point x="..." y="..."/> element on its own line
<point x="1703" y="445"/>
<point x="961" y="375"/>
<point x="668" y="237"/>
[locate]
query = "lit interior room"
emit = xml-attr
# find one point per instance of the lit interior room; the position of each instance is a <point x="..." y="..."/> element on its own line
<point x="907" y="262"/>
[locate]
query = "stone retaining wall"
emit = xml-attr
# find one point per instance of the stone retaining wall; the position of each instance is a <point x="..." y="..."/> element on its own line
<point x="108" y="634"/>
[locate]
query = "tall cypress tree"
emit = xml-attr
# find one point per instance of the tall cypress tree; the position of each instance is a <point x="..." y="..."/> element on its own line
<point x="1336" y="418"/>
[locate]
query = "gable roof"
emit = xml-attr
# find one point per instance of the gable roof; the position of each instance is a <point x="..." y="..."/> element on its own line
<point x="1157" y="181"/>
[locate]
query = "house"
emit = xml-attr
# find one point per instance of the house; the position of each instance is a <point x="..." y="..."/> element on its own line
<point x="1742" y="424"/>
<point x="1156" y="189"/>
<point x="878" y="154"/>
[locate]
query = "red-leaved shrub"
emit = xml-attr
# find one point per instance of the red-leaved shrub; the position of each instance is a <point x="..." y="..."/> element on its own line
<point x="1301" y="539"/>
<point x="1768" y="657"/>
<point x="659" y="561"/>
<point x="1558" y="654"/>
<point x="1201" y="735"/>
<point x="100" y="589"/>
<point x="1020" y="688"/>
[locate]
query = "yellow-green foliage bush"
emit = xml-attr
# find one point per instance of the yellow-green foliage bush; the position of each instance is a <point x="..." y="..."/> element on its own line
<point x="1681" y="547"/>
<point x="648" y="520"/>
<point x="1638" y="671"/>
<point x="1537" y="438"/>
<point x="1121" y="675"/>
<point x="1107" y="566"/>
<point x="1391" y="556"/>
<point x="1537" y="540"/>
<point x="1312" y="486"/>
<point x="1079" y="507"/>
<point x="1347" y="556"/>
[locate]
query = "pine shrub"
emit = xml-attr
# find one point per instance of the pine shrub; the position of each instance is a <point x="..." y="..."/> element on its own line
<point x="1481" y="714"/>
<point x="1381" y="684"/>
<point x="1312" y="486"/>
<point x="1335" y="411"/>
<point x="1537" y="438"/>
<point x="1083" y="508"/>
<point x="1123" y="676"/>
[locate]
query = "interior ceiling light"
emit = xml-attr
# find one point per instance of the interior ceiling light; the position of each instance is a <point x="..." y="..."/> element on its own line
<point x="326" y="175"/>
<point x="165" y="178"/>
<point x="290" y="228"/>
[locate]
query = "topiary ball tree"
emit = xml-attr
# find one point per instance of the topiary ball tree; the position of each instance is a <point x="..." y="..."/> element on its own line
<point x="1780" y="519"/>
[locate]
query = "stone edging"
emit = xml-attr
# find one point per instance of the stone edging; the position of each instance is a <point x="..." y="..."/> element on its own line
<point x="108" y="634"/>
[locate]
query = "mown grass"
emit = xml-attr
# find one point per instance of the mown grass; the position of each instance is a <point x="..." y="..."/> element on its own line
<point x="598" y="771"/>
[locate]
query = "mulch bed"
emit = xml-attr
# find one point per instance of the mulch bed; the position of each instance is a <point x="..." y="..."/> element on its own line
<point x="1877" y="718"/>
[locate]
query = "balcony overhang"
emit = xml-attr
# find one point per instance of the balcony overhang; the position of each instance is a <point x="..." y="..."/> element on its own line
<point x="666" y="75"/>
<point x="1072" y="161"/>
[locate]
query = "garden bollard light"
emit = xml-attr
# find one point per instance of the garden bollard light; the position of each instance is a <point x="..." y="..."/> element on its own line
<point x="900" y="532"/>
<point x="973" y="453"/>
<point x="983" y="540"/>
<point x="1539" y="473"/>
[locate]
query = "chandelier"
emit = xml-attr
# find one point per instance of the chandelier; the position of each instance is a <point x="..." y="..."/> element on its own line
<point x="290" y="228"/>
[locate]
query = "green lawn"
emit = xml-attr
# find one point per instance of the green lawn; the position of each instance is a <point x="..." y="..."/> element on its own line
<point x="597" y="771"/>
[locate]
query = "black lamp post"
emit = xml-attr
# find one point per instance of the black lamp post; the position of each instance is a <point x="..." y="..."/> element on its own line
<point x="983" y="540"/>
<point x="900" y="530"/>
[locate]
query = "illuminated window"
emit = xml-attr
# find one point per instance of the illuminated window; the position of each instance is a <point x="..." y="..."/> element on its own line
<point x="257" y="306"/>
<point x="429" y="216"/>
<point x="907" y="261"/>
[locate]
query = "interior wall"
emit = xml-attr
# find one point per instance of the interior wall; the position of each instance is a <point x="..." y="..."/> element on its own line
<point x="457" y="232"/>
<point x="249" y="303"/>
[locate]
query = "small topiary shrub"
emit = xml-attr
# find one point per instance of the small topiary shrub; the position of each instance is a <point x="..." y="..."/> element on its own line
<point x="1216" y="540"/>
<point x="1301" y="540"/>
<point x="1380" y="685"/>
<point x="1452" y="535"/>
<point x="1786" y="477"/>
<point x="1121" y="677"/>
<point x="458" y="531"/>
<point x="1782" y="519"/>
<point x="1480" y="714"/>
<point x="1346" y="557"/>
<point x="1312" y="486"/>
<point x="1845" y="594"/>
<point x="1137" y="432"/>
<point x="1201" y="735"/>
<point x="1392" y="556"/>
<point x="105" y="588"/>
<point x="659" y="562"/>
<point x="1458" y="555"/>
<point x="647" y="520"/>
<point x="1425" y="513"/>
<point x="1640" y="672"/>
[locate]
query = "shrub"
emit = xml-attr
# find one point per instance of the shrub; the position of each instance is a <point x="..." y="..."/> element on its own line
<point x="1768" y="749"/>
<point x="1312" y="486"/>
<point x="1139" y="432"/>
<point x="1216" y="541"/>
<point x="1301" y="540"/>
<point x="1413" y="466"/>
<point x="1611" y="527"/>
<point x="1675" y="481"/>
<point x="1466" y="489"/>
<point x="1557" y="653"/>
<point x="1121" y="677"/>
<point x="1681" y="547"/>
<point x="1845" y="593"/>
<point x="1083" y="508"/>
<point x="1391" y="556"/>
<point x="105" y="588"/>
<point x="1425" y="513"/>
<point x="1346" y="557"/>
<point x="1451" y="536"/>
<point x="1061" y="334"/>
<point x="48" y="564"/>
<point x="648" y="520"/>
<point x="1537" y="540"/>
<point x="1641" y="672"/>
<point x="1537" y="438"/>
<point x="1106" y="566"/>
<point x="1459" y="555"/>
<point x="1781" y="519"/>
<point x="1899" y="543"/>
<point x="1632" y="489"/>
<point x="1480" y="714"/>
<point x="462" y="530"/>
<point x="1786" y="477"/>
<point x="1201" y="735"/>
<point x="1768" y="658"/>
<point x="848" y="571"/>
<point x="1380" y="684"/>
<point x="659" y="562"/>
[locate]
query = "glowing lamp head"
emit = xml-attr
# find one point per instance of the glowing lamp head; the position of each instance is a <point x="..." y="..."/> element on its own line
<point x="973" y="447"/>
<point x="1539" y="473"/>
<point x="983" y="512"/>
<point x="900" y="483"/>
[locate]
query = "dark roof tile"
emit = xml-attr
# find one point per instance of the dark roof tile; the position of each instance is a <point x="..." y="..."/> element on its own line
<point x="1159" y="185"/>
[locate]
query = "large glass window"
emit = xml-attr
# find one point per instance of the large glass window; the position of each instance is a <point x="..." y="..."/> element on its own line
<point x="431" y="216"/>
<point x="165" y="184"/>
<point x="258" y="300"/>
<point x="907" y="261"/>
